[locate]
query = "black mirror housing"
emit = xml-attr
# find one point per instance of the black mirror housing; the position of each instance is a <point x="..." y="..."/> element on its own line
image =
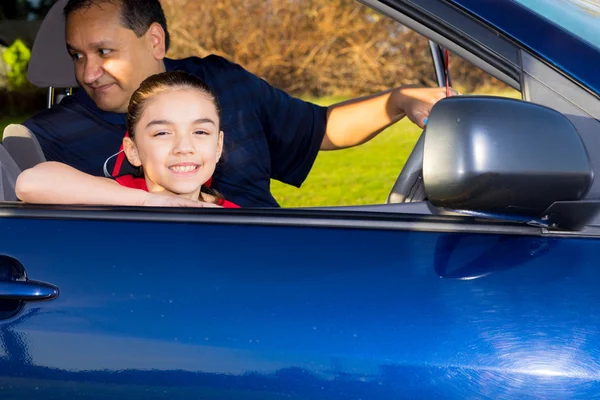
<point x="500" y="155"/>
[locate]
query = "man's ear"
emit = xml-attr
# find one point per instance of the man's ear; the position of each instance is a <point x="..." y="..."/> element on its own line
<point x="156" y="36"/>
<point x="220" y="146"/>
<point x="131" y="152"/>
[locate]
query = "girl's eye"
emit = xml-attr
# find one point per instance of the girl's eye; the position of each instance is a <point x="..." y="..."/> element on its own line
<point x="76" y="56"/>
<point x="201" y="133"/>
<point x="105" y="52"/>
<point x="161" y="133"/>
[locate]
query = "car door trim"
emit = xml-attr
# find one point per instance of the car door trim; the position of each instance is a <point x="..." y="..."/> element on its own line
<point x="477" y="43"/>
<point x="349" y="219"/>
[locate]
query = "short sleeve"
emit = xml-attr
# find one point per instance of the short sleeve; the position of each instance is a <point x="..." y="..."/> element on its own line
<point x="132" y="182"/>
<point x="294" y="130"/>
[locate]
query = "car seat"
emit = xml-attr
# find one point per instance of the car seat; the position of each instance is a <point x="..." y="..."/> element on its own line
<point x="22" y="146"/>
<point x="51" y="65"/>
<point x="9" y="171"/>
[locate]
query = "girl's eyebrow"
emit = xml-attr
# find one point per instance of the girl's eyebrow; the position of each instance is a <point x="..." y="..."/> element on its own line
<point x="205" y="120"/>
<point x="159" y="122"/>
<point x="167" y="122"/>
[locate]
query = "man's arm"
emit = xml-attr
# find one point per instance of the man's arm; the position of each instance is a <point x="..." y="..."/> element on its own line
<point x="57" y="183"/>
<point x="357" y="121"/>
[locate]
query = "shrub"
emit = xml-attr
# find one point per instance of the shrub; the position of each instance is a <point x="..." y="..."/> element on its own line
<point x="16" y="57"/>
<point x="310" y="47"/>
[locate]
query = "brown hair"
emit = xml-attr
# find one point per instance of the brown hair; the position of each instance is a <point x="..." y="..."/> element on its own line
<point x="136" y="15"/>
<point x="165" y="82"/>
<point x="161" y="83"/>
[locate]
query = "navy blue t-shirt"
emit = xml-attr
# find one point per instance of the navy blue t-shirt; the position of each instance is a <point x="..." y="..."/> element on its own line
<point x="268" y="134"/>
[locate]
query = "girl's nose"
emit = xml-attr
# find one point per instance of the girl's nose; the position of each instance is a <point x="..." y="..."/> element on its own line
<point x="184" y="145"/>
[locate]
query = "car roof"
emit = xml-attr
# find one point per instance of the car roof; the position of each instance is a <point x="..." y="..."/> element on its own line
<point x="572" y="54"/>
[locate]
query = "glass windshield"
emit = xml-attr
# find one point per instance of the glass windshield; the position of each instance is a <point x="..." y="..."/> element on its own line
<point x="580" y="17"/>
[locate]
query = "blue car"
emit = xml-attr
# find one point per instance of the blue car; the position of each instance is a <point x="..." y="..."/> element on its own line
<point x="478" y="278"/>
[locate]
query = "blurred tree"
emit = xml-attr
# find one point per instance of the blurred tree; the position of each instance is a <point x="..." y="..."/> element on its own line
<point x="310" y="47"/>
<point x="40" y="10"/>
<point x="24" y="9"/>
<point x="13" y="9"/>
<point x="16" y="58"/>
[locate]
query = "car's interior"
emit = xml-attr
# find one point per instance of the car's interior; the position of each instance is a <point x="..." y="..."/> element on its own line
<point x="446" y="27"/>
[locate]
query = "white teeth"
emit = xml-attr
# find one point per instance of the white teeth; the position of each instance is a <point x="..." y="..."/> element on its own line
<point x="183" y="168"/>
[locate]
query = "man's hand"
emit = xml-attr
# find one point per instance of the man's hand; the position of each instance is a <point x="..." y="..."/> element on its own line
<point x="417" y="102"/>
<point x="356" y="121"/>
<point x="161" y="200"/>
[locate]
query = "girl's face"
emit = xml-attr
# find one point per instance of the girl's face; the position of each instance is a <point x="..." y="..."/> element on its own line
<point x="177" y="141"/>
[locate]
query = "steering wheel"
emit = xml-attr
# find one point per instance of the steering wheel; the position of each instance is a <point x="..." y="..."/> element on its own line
<point x="409" y="184"/>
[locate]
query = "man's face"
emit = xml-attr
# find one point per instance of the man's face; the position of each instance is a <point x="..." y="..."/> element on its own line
<point x="110" y="60"/>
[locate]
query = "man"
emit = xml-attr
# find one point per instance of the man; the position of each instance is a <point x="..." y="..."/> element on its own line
<point x="116" y="44"/>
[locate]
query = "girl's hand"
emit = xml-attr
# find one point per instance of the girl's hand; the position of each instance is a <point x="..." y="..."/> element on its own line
<point x="160" y="200"/>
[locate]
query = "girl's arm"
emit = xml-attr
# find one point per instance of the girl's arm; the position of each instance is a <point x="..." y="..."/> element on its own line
<point x="57" y="183"/>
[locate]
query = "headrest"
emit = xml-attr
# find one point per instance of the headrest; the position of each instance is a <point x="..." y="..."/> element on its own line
<point x="50" y="63"/>
<point x="23" y="146"/>
<point x="9" y="171"/>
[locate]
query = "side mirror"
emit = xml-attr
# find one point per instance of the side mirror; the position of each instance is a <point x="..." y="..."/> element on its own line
<point x="499" y="155"/>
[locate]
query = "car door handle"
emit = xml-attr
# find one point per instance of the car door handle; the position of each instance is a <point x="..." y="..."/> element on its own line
<point x="27" y="290"/>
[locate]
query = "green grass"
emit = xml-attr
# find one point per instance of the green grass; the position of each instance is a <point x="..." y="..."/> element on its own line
<point x="359" y="175"/>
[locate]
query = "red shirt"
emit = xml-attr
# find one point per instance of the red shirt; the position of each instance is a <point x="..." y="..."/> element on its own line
<point x="140" y="183"/>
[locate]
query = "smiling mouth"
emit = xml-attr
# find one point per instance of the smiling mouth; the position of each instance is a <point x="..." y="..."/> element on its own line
<point x="184" y="169"/>
<point x="101" y="88"/>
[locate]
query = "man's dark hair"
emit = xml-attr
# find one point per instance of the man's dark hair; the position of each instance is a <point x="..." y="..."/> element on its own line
<point x="136" y="15"/>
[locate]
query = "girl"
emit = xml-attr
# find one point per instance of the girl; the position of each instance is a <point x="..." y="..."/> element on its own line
<point x="173" y="136"/>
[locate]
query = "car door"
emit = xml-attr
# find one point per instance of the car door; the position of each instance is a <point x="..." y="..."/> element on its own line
<point x="267" y="304"/>
<point x="226" y="304"/>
